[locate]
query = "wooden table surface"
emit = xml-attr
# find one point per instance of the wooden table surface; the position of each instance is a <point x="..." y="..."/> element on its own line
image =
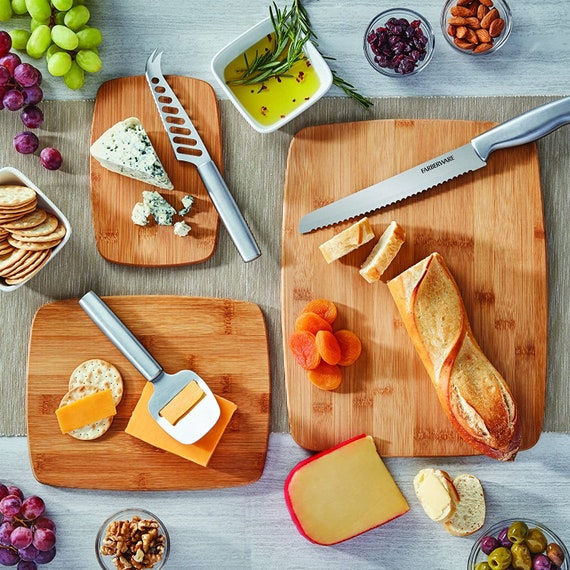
<point x="531" y="69"/>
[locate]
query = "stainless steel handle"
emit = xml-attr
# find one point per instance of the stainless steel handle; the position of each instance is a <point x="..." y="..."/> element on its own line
<point x="115" y="330"/>
<point x="524" y="128"/>
<point x="229" y="212"/>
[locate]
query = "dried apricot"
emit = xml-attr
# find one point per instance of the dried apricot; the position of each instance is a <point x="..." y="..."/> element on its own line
<point x="304" y="348"/>
<point x="322" y="307"/>
<point x="311" y="322"/>
<point x="328" y="347"/>
<point x="350" y="347"/>
<point x="326" y="376"/>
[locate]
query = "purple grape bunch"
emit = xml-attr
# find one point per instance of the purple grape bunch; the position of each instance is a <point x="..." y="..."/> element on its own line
<point x="20" y="90"/>
<point x="398" y="45"/>
<point x="27" y="535"/>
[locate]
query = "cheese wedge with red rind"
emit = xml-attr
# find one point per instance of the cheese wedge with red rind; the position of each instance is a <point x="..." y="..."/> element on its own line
<point x="342" y="492"/>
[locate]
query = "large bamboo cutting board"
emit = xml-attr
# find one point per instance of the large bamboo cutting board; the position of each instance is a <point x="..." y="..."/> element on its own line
<point x="113" y="195"/>
<point x="223" y="340"/>
<point x="488" y="226"/>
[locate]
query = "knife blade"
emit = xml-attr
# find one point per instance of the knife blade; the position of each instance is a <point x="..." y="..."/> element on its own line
<point x="188" y="146"/>
<point x="524" y="128"/>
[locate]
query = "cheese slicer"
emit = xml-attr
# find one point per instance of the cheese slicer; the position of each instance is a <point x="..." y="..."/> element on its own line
<point x="187" y="427"/>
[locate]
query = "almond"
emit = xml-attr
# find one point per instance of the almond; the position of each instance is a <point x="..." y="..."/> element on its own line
<point x="473" y="23"/>
<point x="461" y="11"/>
<point x="483" y="48"/>
<point x="463" y="44"/>
<point x="496" y="27"/>
<point x="483" y="36"/>
<point x="493" y="14"/>
<point x="482" y="11"/>
<point x="488" y="3"/>
<point x="460" y="32"/>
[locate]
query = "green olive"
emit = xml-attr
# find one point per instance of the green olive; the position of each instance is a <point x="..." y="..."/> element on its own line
<point x="555" y="553"/>
<point x="500" y="558"/>
<point x="521" y="558"/>
<point x="482" y="566"/>
<point x="517" y="532"/>
<point x="535" y="540"/>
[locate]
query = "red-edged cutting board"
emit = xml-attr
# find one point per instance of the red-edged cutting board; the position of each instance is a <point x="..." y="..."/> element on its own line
<point x="113" y="195"/>
<point x="488" y="226"/>
<point x="223" y="340"/>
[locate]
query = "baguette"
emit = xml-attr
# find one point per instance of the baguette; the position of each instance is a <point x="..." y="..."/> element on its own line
<point x="348" y="240"/>
<point x="475" y="397"/>
<point x="469" y="515"/>
<point x="436" y="494"/>
<point x="383" y="253"/>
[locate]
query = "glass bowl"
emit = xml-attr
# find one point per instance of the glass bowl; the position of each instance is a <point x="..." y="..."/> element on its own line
<point x="498" y="40"/>
<point x="106" y="562"/>
<point x="391" y="51"/>
<point x="477" y="555"/>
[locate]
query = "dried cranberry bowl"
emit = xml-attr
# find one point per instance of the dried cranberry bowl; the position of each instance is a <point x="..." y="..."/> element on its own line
<point x="478" y="28"/>
<point x="399" y="42"/>
<point x="496" y="545"/>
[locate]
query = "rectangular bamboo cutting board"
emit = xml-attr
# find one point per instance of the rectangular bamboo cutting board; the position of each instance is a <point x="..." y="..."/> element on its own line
<point x="488" y="226"/>
<point x="113" y="196"/>
<point x="223" y="340"/>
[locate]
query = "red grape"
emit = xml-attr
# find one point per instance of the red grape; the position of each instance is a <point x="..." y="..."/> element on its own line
<point x="13" y="490"/>
<point x="3" y="491"/>
<point x="44" y="539"/>
<point x="13" y="100"/>
<point x="8" y="557"/>
<point x="32" y="117"/>
<point x="26" y="75"/>
<point x="5" y="75"/>
<point x="26" y="142"/>
<point x="28" y="553"/>
<point x="10" y="505"/>
<point x="10" y="61"/>
<point x="32" y="95"/>
<point x="6" y="529"/>
<point x="46" y="556"/>
<point x="21" y="537"/>
<point x="51" y="158"/>
<point x="5" y="42"/>
<point x="32" y="507"/>
<point x="44" y="522"/>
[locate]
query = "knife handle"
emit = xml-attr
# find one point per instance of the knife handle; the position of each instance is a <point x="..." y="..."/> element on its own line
<point x="229" y="212"/>
<point x="524" y="128"/>
<point x="116" y="331"/>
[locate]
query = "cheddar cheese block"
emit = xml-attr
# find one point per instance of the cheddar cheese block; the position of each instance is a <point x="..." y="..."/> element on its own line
<point x="86" y="410"/>
<point x="343" y="492"/>
<point x="143" y="426"/>
<point x="182" y="403"/>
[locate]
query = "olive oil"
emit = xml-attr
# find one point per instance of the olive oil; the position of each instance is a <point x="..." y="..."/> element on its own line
<point x="275" y="98"/>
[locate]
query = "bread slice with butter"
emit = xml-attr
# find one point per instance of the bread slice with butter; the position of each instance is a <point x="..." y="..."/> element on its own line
<point x="126" y="148"/>
<point x="383" y="253"/>
<point x="436" y="494"/>
<point x="469" y="515"/>
<point x="348" y="240"/>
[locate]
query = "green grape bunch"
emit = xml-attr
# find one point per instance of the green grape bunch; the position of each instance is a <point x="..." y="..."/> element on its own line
<point x="58" y="30"/>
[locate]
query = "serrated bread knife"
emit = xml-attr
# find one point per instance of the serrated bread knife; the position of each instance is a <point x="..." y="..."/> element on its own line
<point x="524" y="128"/>
<point x="189" y="147"/>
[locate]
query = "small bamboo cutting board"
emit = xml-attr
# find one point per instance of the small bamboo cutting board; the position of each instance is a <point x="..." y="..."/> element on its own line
<point x="223" y="340"/>
<point x="489" y="227"/>
<point x="113" y="196"/>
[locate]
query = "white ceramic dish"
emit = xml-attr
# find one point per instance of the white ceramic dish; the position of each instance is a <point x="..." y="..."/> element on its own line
<point x="245" y="41"/>
<point x="9" y="175"/>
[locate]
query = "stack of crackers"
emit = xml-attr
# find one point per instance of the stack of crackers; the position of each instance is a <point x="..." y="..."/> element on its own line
<point x="28" y="234"/>
<point x="89" y="377"/>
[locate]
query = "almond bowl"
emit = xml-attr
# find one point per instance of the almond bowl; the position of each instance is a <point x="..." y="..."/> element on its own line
<point x="270" y="105"/>
<point x="11" y="176"/>
<point x="479" y="35"/>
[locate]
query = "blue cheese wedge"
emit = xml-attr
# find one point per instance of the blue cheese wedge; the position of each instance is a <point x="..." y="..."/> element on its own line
<point x="159" y="208"/>
<point x="181" y="229"/>
<point x="126" y="148"/>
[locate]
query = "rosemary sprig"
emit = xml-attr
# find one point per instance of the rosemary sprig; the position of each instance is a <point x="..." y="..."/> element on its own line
<point x="292" y="29"/>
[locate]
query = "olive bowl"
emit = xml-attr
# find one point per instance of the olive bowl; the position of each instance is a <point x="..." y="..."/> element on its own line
<point x="106" y="562"/>
<point x="477" y="556"/>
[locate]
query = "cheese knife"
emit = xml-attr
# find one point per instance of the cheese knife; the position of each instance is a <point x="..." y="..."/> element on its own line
<point x="188" y="146"/>
<point x="527" y="127"/>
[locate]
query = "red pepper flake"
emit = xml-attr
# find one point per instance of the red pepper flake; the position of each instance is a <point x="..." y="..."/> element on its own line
<point x="307" y="98"/>
<point x="263" y="110"/>
<point x="294" y="100"/>
<point x="308" y="63"/>
<point x="282" y="116"/>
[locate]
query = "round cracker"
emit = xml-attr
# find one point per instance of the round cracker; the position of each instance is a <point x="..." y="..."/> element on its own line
<point x="99" y="373"/>
<point x="14" y="195"/>
<point x="28" y="236"/>
<point x="33" y="219"/>
<point x="21" y="263"/>
<point x="9" y="259"/>
<point x="91" y="431"/>
<point x="33" y="264"/>
<point x="33" y="245"/>
<point x="47" y="226"/>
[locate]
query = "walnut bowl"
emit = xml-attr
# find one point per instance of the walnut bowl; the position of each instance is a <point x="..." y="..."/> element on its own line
<point x="130" y="526"/>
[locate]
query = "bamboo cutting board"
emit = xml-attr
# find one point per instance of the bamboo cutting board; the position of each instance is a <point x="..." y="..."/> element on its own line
<point x="197" y="333"/>
<point x="113" y="196"/>
<point x="488" y="226"/>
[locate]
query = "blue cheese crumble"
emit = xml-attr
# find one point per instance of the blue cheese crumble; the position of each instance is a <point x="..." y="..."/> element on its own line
<point x="126" y="148"/>
<point x="159" y="208"/>
<point x="140" y="214"/>
<point x="187" y="203"/>
<point x="181" y="229"/>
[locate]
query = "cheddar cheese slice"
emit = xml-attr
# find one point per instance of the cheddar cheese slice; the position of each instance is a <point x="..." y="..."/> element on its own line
<point x="143" y="426"/>
<point x="343" y="492"/>
<point x="182" y="403"/>
<point x="85" y="411"/>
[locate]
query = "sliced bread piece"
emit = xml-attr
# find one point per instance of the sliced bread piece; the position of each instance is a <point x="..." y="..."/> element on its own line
<point x="384" y="252"/>
<point x="126" y="148"/>
<point x="470" y="512"/>
<point x="436" y="493"/>
<point x="348" y="240"/>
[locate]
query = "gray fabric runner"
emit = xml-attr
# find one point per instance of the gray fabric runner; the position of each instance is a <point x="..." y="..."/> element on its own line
<point x="254" y="170"/>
